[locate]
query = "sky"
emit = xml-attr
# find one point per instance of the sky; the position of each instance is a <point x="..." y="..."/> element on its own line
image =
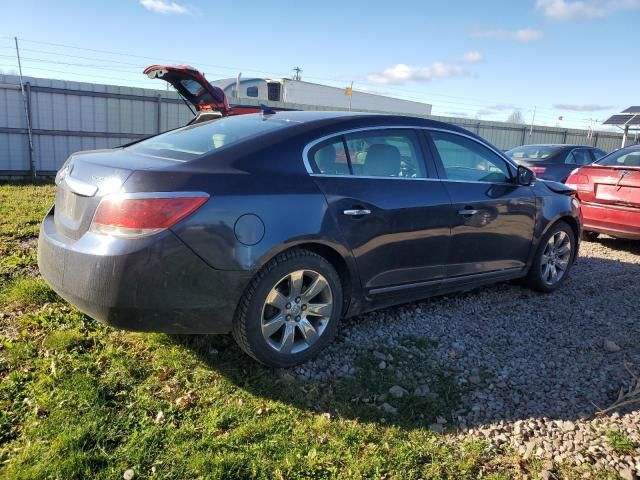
<point x="565" y="59"/>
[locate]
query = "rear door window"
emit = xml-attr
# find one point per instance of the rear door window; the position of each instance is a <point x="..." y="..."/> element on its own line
<point x="385" y="153"/>
<point x="579" y="156"/>
<point x="597" y="153"/>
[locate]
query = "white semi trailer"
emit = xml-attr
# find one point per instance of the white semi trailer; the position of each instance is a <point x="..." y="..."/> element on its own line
<point x="307" y="93"/>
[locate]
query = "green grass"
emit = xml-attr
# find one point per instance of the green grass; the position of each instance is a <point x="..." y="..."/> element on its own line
<point x="81" y="400"/>
<point x="620" y="443"/>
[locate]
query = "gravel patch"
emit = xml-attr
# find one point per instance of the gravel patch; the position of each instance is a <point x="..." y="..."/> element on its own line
<point x="533" y="369"/>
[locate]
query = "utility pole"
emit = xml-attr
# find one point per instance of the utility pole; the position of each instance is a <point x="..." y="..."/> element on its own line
<point x="533" y="119"/>
<point x="27" y="113"/>
<point x="298" y="71"/>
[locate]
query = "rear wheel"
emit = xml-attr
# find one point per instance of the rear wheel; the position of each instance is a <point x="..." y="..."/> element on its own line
<point x="291" y="309"/>
<point x="553" y="259"/>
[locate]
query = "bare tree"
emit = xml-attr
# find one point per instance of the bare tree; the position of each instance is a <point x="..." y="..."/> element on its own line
<point x="7" y="71"/>
<point x="516" y="117"/>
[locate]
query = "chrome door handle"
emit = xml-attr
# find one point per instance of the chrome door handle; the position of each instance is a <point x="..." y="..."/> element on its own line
<point x="467" y="212"/>
<point x="357" y="212"/>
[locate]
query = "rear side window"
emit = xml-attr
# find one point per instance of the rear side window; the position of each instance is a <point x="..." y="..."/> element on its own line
<point x="597" y="153"/>
<point x="467" y="160"/>
<point x="252" y="91"/>
<point x="330" y="158"/>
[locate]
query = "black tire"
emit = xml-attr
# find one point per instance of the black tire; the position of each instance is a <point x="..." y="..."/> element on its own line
<point x="247" y="324"/>
<point x="590" y="236"/>
<point x="534" y="278"/>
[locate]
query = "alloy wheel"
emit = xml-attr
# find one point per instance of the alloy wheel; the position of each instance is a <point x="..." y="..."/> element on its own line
<point x="555" y="258"/>
<point x="296" y="311"/>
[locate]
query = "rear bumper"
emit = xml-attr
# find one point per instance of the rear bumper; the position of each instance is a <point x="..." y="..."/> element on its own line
<point x="154" y="284"/>
<point x="614" y="220"/>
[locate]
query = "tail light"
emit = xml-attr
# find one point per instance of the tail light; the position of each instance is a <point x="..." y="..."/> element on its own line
<point x="578" y="181"/>
<point x="142" y="214"/>
<point x="538" y="170"/>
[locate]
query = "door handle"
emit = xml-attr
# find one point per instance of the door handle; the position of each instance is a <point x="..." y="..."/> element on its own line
<point x="467" y="212"/>
<point x="356" y="212"/>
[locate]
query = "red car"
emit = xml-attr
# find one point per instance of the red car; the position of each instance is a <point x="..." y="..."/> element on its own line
<point x="208" y="100"/>
<point x="609" y="191"/>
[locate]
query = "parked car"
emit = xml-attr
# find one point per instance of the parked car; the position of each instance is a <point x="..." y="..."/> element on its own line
<point x="554" y="162"/>
<point x="274" y="227"/>
<point x="206" y="101"/>
<point x="609" y="191"/>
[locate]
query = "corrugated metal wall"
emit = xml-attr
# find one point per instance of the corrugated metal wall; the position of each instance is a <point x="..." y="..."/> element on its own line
<point x="69" y="116"/>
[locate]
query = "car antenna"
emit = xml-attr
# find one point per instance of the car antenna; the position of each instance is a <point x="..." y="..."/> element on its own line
<point x="267" y="110"/>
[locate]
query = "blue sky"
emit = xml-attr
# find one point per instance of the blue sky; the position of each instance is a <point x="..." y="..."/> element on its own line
<point x="481" y="59"/>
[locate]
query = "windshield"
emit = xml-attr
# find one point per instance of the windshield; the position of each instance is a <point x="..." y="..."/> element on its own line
<point x="532" y="153"/>
<point x="621" y="158"/>
<point x="200" y="138"/>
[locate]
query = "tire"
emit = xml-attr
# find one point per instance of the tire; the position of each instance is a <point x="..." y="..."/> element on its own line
<point x="274" y="319"/>
<point x="554" y="256"/>
<point x="590" y="236"/>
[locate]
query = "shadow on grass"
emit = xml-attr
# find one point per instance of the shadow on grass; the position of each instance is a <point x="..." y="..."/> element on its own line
<point x="363" y="395"/>
<point x="525" y="340"/>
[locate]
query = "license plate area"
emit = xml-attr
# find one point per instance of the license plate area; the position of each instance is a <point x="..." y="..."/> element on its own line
<point x="621" y="194"/>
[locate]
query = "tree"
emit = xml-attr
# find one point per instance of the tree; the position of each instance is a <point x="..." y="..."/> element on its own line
<point x="516" y="117"/>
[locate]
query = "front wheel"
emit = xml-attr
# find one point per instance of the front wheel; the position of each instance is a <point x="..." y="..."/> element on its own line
<point x="553" y="259"/>
<point x="291" y="309"/>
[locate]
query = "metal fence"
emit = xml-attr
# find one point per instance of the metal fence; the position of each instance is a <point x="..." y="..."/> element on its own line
<point x="68" y="116"/>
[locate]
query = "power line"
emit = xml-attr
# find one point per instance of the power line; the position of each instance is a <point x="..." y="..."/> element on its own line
<point x="471" y="105"/>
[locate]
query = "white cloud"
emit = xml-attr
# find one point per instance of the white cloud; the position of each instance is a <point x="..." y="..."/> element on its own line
<point x="527" y="35"/>
<point x="164" y="7"/>
<point x="586" y="107"/>
<point x="577" y="9"/>
<point x="521" y="35"/>
<point x="402" y="73"/>
<point x="472" y="57"/>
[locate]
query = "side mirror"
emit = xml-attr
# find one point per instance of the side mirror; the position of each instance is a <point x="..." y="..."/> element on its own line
<point x="525" y="176"/>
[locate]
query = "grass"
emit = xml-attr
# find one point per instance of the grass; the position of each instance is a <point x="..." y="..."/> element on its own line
<point x="81" y="400"/>
<point x="620" y="443"/>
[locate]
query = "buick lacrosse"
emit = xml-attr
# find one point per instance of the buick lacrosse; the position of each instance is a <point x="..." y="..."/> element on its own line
<point x="276" y="226"/>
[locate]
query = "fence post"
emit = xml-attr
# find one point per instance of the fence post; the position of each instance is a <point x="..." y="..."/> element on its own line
<point x="524" y="134"/>
<point x="158" y="113"/>
<point x="566" y="134"/>
<point x="595" y="139"/>
<point x="32" y="162"/>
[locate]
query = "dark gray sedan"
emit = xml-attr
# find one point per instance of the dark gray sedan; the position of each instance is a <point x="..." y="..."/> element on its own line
<point x="274" y="227"/>
<point x="555" y="162"/>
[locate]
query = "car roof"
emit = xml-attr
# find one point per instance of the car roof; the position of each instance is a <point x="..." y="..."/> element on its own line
<point x="556" y="145"/>
<point x="359" y="119"/>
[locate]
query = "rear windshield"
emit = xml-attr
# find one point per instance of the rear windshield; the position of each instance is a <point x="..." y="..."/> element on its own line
<point x="532" y="153"/>
<point x="621" y="158"/>
<point x="200" y="138"/>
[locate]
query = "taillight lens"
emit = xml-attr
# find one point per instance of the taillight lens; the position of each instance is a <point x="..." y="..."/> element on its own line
<point x="578" y="181"/>
<point x="139" y="215"/>
<point x="538" y="170"/>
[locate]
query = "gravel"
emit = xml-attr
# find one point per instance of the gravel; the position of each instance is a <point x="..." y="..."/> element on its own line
<point x="533" y="369"/>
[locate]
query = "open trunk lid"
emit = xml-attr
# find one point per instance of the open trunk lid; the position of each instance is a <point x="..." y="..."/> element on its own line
<point x="608" y="185"/>
<point x="193" y="87"/>
<point x="86" y="177"/>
